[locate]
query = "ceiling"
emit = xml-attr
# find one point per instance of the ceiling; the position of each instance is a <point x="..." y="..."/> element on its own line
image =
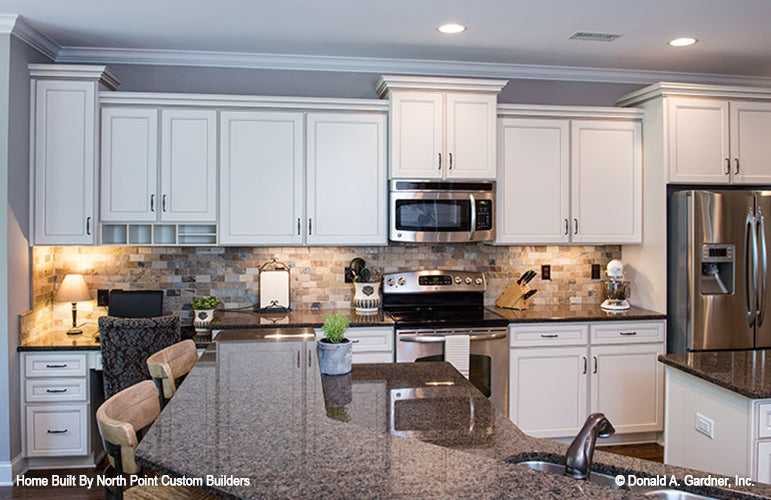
<point x="734" y="35"/>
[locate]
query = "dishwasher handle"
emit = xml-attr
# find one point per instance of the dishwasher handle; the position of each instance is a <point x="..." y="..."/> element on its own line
<point x="428" y="338"/>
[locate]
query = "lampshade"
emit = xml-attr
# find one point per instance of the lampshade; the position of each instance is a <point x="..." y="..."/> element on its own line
<point x="73" y="289"/>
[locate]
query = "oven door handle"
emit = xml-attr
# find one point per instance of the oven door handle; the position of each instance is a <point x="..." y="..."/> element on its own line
<point x="473" y="223"/>
<point x="427" y="339"/>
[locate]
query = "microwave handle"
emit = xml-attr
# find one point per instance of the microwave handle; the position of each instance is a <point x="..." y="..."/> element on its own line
<point x="473" y="216"/>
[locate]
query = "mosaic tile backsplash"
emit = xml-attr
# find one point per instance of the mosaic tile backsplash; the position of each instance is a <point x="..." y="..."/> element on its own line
<point x="317" y="275"/>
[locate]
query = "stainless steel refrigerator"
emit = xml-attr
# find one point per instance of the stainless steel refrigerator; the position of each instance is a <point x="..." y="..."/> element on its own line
<point x="718" y="270"/>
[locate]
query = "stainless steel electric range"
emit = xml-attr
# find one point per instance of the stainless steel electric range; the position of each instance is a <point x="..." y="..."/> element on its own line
<point x="427" y="306"/>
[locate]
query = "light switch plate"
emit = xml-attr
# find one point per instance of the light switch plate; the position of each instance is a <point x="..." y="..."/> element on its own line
<point x="705" y="425"/>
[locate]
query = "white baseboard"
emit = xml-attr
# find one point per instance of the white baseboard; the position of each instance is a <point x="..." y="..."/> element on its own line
<point x="9" y="470"/>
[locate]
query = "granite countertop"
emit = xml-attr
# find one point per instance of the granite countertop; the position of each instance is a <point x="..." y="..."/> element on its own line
<point x="578" y="312"/>
<point x="744" y="372"/>
<point x="58" y="340"/>
<point x="313" y="318"/>
<point x="256" y="408"/>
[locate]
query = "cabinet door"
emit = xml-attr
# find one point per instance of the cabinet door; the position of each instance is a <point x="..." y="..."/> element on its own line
<point x="763" y="467"/>
<point x="129" y="165"/>
<point x="606" y="193"/>
<point x="188" y="165"/>
<point x="346" y="193"/>
<point x="751" y="142"/>
<point x="698" y="141"/>
<point x="417" y="135"/>
<point x="628" y="386"/>
<point x="470" y="135"/>
<point x="261" y="178"/>
<point x="547" y="390"/>
<point x="533" y="181"/>
<point x="64" y="162"/>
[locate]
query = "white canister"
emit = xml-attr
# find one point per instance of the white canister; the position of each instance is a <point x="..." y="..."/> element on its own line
<point x="366" y="298"/>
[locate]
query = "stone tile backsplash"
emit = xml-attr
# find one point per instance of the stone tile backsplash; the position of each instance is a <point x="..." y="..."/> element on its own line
<point x="317" y="275"/>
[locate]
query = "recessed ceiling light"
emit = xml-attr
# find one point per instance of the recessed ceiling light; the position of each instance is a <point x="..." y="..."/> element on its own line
<point x="683" y="41"/>
<point x="451" y="28"/>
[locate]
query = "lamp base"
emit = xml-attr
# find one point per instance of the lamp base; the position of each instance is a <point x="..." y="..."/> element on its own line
<point x="74" y="331"/>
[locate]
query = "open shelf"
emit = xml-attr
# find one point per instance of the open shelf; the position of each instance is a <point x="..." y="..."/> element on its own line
<point x="159" y="234"/>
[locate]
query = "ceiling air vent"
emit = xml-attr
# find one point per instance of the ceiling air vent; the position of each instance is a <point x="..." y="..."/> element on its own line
<point x="596" y="37"/>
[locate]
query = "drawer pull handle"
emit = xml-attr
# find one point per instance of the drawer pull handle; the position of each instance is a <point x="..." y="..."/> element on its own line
<point x="628" y="333"/>
<point x="56" y="390"/>
<point x="57" y="431"/>
<point x="584" y="373"/>
<point x="57" y="366"/>
<point x="595" y="364"/>
<point x="549" y="336"/>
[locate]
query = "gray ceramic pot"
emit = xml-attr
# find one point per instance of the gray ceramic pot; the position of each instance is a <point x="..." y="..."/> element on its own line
<point x="334" y="359"/>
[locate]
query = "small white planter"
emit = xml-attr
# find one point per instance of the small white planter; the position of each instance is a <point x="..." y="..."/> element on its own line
<point x="366" y="298"/>
<point x="202" y="319"/>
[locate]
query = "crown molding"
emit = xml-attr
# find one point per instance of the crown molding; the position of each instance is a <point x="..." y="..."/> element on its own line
<point x="664" y="89"/>
<point x="15" y="25"/>
<point x="388" y="83"/>
<point x="552" y="111"/>
<point x="396" y="66"/>
<point x="101" y="74"/>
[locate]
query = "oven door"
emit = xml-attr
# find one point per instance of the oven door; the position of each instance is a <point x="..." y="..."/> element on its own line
<point x="488" y="360"/>
<point x="441" y="216"/>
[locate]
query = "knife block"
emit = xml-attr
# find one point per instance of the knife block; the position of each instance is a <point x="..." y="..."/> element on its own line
<point x="513" y="297"/>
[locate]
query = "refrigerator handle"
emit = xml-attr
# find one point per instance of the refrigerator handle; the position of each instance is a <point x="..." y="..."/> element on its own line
<point x="750" y="267"/>
<point x="761" y="235"/>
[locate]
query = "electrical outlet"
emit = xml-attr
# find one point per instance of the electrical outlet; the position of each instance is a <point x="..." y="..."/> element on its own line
<point x="546" y="272"/>
<point x="595" y="271"/>
<point x="705" y="425"/>
<point x="102" y="297"/>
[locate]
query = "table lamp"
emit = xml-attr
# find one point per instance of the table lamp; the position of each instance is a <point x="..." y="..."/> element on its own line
<point x="73" y="289"/>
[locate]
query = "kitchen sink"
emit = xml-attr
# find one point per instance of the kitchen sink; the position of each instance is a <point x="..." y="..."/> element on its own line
<point x="610" y="481"/>
<point x="594" y="477"/>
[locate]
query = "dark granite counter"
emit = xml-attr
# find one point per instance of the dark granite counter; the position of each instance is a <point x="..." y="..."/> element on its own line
<point x="579" y="312"/>
<point x="58" y="340"/>
<point x="313" y="318"/>
<point x="255" y="408"/>
<point x="745" y="372"/>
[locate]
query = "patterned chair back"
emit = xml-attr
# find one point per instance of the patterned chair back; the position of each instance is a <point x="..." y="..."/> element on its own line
<point x="126" y="345"/>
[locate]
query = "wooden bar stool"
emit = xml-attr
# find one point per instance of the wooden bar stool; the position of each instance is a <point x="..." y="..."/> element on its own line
<point x="170" y="365"/>
<point x="123" y="420"/>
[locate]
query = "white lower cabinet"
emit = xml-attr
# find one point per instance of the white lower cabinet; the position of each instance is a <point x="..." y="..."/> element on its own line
<point x="764" y="462"/>
<point x="559" y="373"/>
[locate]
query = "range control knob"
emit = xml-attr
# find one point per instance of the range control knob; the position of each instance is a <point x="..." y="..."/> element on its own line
<point x="390" y="282"/>
<point x="478" y="281"/>
<point x="401" y="280"/>
<point x="457" y="280"/>
<point x="468" y="280"/>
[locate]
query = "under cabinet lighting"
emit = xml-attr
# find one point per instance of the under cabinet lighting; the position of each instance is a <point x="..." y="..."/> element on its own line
<point x="685" y="41"/>
<point x="451" y="28"/>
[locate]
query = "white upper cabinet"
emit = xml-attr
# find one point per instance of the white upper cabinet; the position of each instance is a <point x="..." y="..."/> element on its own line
<point x="698" y="141"/>
<point x="441" y="128"/>
<point x="188" y="165"/>
<point x="261" y="178"/>
<point x="64" y="152"/>
<point x="533" y="181"/>
<point x="569" y="181"/>
<point x="129" y="164"/>
<point x="346" y="193"/>
<point x="135" y="189"/>
<point x="606" y="196"/>
<point x="751" y="142"/>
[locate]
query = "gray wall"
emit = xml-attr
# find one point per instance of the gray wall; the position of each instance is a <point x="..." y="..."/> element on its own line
<point x="5" y="342"/>
<point x="138" y="78"/>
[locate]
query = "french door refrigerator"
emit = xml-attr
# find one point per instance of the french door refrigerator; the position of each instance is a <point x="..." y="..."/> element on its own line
<point x="718" y="270"/>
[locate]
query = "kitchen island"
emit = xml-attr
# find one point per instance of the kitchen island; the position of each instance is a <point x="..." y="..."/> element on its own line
<point x="256" y="410"/>
<point x="718" y="412"/>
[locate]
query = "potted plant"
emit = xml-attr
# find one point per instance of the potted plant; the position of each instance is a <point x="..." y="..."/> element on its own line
<point x="366" y="284"/>
<point x="334" y="349"/>
<point x="203" y="313"/>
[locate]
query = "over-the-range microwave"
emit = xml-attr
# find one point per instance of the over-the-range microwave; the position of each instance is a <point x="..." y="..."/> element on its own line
<point x="436" y="211"/>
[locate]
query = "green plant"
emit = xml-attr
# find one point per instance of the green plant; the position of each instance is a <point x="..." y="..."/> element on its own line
<point x="334" y="327"/>
<point x="205" y="303"/>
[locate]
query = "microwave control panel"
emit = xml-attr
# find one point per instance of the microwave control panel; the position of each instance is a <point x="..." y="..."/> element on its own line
<point x="484" y="215"/>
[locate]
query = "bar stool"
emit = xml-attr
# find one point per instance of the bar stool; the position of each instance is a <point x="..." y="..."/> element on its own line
<point x="169" y="366"/>
<point x="123" y="420"/>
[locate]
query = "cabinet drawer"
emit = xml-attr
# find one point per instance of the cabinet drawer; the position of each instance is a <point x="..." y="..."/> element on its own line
<point x="627" y="332"/>
<point x="548" y="334"/>
<point x="57" y="430"/>
<point x="368" y="339"/>
<point x="763" y="412"/>
<point x="55" y="365"/>
<point x="40" y="390"/>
